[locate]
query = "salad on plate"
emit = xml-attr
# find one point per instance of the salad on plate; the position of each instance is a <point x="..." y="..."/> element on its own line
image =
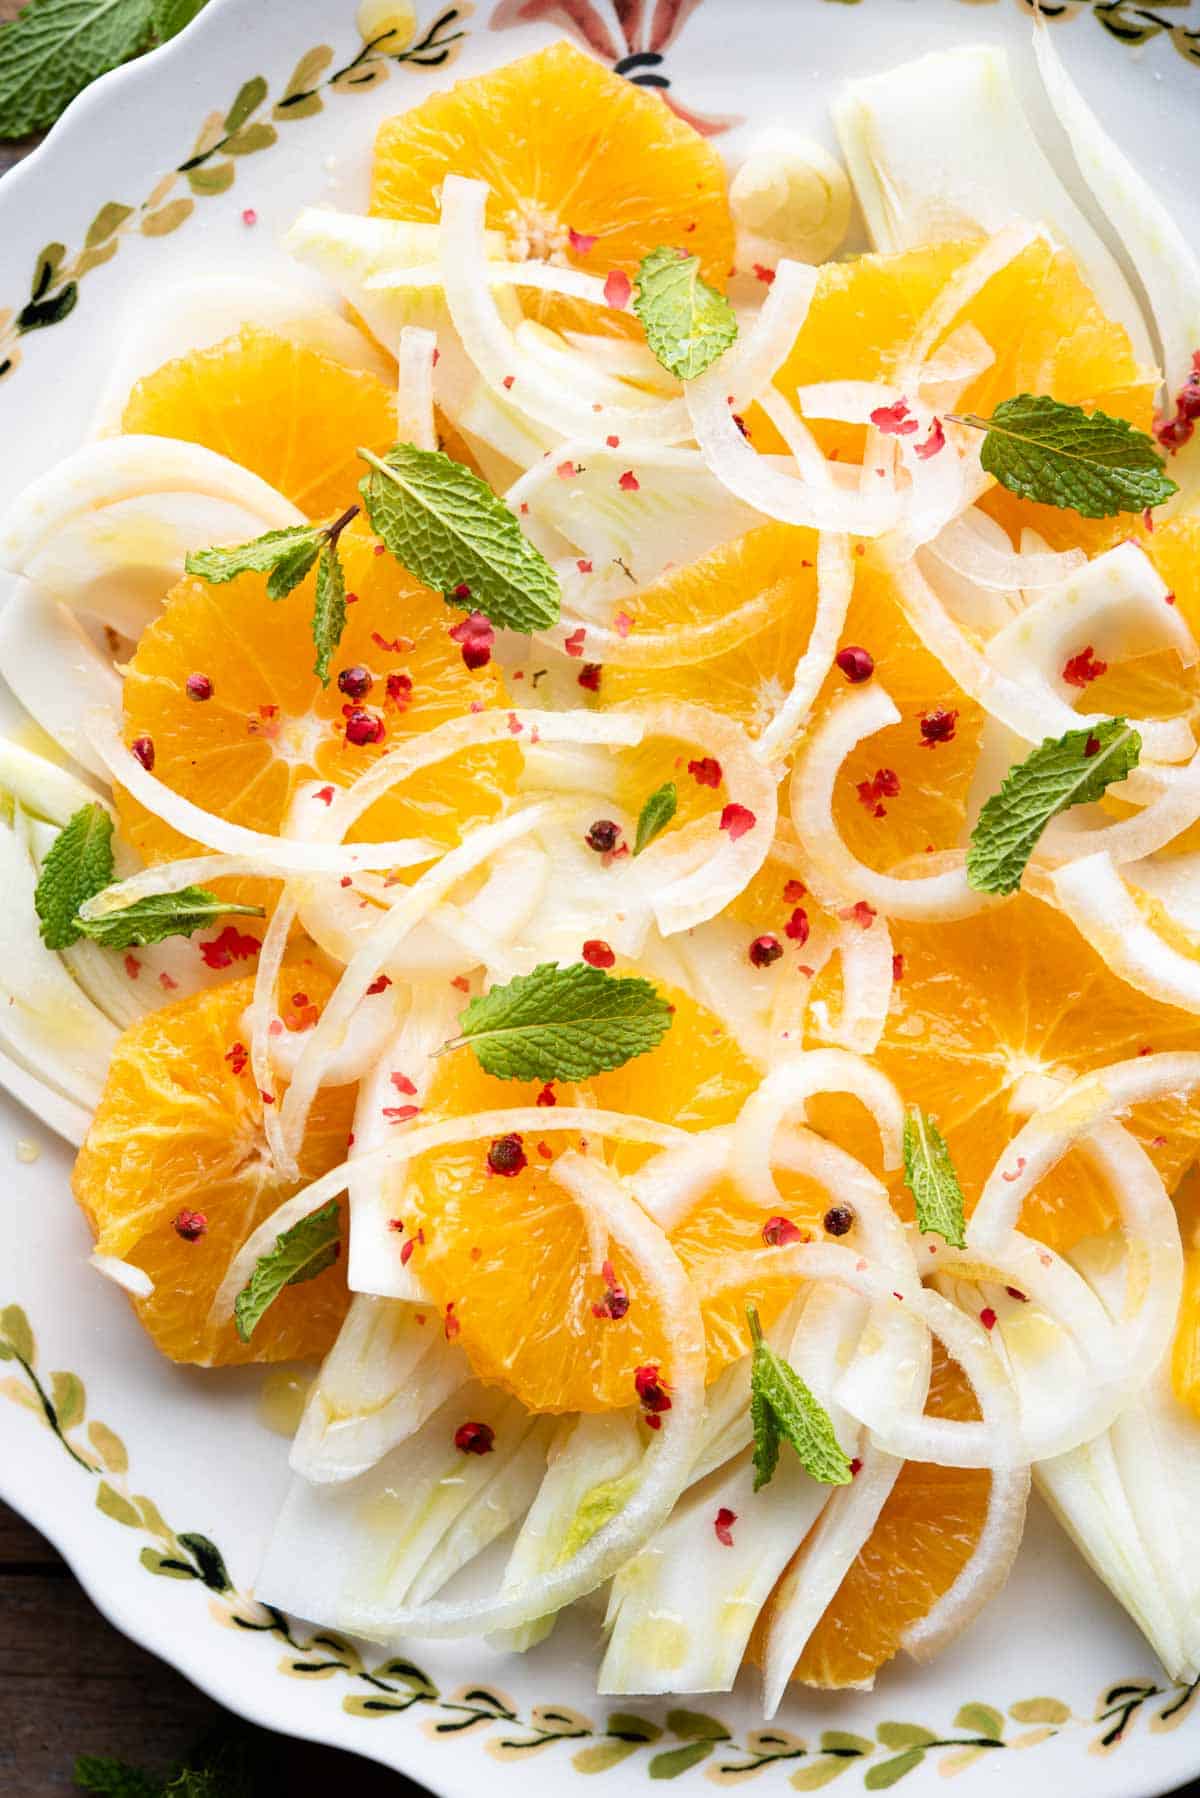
<point x="606" y="849"/>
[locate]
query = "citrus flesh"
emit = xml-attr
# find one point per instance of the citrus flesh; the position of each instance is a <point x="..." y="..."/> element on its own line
<point x="286" y="412"/>
<point x="178" y="1135"/>
<point x="585" y="169"/>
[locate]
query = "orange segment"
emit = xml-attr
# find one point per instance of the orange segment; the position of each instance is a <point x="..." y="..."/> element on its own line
<point x="1016" y="991"/>
<point x="923" y="1538"/>
<point x="179" y="1128"/>
<point x="511" y="1255"/>
<point x="270" y="725"/>
<point x="1185" y="1363"/>
<point x="282" y="410"/>
<point x="566" y="147"/>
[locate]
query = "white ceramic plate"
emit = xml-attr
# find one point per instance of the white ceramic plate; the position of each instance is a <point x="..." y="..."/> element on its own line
<point x="136" y="1468"/>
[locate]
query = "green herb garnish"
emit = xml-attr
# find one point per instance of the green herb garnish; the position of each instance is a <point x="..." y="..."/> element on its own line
<point x="655" y="815"/>
<point x="1060" y="455"/>
<point x="930" y="1177"/>
<point x="162" y="915"/>
<point x="563" y="1023"/>
<point x="79" y="865"/>
<point x="783" y="1408"/>
<point x="1074" y="769"/>
<point x="300" y="1254"/>
<point x="687" y="323"/>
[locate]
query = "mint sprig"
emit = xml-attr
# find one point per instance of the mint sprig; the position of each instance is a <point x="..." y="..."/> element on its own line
<point x="300" y="1254"/>
<point x="1060" y="455"/>
<point x="687" y="323"/>
<point x="162" y="915"/>
<point x="447" y="527"/>
<point x="286" y="557"/>
<point x="930" y="1176"/>
<point x="782" y="1408"/>
<point x="655" y="815"/>
<point x="79" y="864"/>
<point x="1074" y="769"/>
<point x="563" y="1023"/>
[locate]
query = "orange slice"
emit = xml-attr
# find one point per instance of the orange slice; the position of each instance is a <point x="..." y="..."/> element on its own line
<point x="1185" y="1364"/>
<point x="284" y="411"/>
<point x="174" y="1173"/>
<point x="585" y="170"/>
<point x="270" y="725"/>
<point x="509" y="1254"/>
<point x="1013" y="992"/>
<point x="923" y="1538"/>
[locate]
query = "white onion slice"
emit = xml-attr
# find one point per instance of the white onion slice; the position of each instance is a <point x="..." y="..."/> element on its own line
<point x="41" y="787"/>
<point x="414" y="398"/>
<point x="987" y="1569"/>
<point x="121" y="468"/>
<point x="868" y="974"/>
<point x="60" y="1114"/>
<point x="413" y="904"/>
<point x="836" y="875"/>
<point x="546" y="277"/>
<point x="260" y="1013"/>
<point x="55" y="669"/>
<point x="1031" y="711"/>
<point x="963" y="547"/>
<point x="783" y="1094"/>
<point x="133" y="1280"/>
<point x="1131" y="839"/>
<point x="1099" y="904"/>
<point x="697" y="870"/>
<point x="495" y="352"/>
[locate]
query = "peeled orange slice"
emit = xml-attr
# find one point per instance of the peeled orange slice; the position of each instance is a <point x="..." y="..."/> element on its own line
<point x="174" y="1173"/>
<point x="924" y="1536"/>
<point x="1015" y="992"/>
<point x="270" y="725"/>
<point x="585" y="169"/>
<point x="507" y="1255"/>
<point x="284" y="411"/>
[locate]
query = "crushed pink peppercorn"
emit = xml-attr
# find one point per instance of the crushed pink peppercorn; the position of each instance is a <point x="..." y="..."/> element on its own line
<point x="190" y="1225"/>
<point x="506" y="1156"/>
<point x="764" y="950"/>
<point x="597" y="953"/>
<point x="475" y="1438"/>
<point x="723" y="1524"/>
<point x="856" y="663"/>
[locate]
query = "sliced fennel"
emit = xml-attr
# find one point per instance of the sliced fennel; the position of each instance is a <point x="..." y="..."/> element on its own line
<point x="941" y="148"/>
<point x="402" y="1529"/>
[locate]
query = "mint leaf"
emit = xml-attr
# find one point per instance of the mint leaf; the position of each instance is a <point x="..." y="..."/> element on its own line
<point x="106" y="1778"/>
<point x="162" y="915"/>
<point x="655" y="815"/>
<point x="1062" y="456"/>
<point x="781" y="1406"/>
<point x="448" y="528"/>
<point x="329" y="609"/>
<point x="78" y="865"/>
<point x="687" y="322"/>
<point x="930" y="1177"/>
<point x="171" y="16"/>
<point x="54" y="48"/>
<point x="300" y="1254"/>
<point x="563" y="1023"/>
<point x="271" y="553"/>
<point x="1074" y="769"/>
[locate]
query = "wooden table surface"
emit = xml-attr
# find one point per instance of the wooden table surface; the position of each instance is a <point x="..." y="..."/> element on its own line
<point x="71" y="1684"/>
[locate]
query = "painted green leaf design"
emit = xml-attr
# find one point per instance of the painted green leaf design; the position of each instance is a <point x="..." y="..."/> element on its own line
<point x="252" y="139"/>
<point x="299" y="106"/>
<point x="378" y="1705"/>
<point x="696" y="1726"/>
<point x="167" y="218"/>
<point x="308" y="71"/>
<point x="208" y="1559"/>
<point x="600" y="1756"/>
<point x="166" y="1566"/>
<point x="905" y="1735"/>
<point x="109" y="1447"/>
<point x="152" y="1518"/>
<point x="215" y="179"/>
<point x="982" y="1720"/>
<point x="817" y="1774"/>
<point x="408" y="1674"/>
<point x="841" y="1742"/>
<point x="109" y="1500"/>
<point x="878" y="1779"/>
<point x="677" y="1760"/>
<point x="68" y="1398"/>
<point x="250" y="97"/>
<point x="107" y="222"/>
<point x="1040" y="1710"/>
<point x="627" y="1726"/>
<point x="15" y="1327"/>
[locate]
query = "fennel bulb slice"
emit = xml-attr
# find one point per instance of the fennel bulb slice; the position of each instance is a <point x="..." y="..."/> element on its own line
<point x="941" y="148"/>
<point x="389" y="1370"/>
<point x="682" y="1610"/>
<point x="411" y="1521"/>
<point x="591" y="1473"/>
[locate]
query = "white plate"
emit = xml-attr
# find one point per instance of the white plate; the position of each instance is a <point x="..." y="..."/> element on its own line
<point x="1053" y="1669"/>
